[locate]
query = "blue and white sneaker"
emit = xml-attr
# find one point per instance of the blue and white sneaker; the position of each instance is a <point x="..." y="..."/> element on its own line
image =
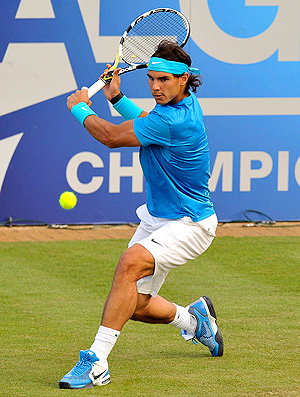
<point x="207" y="331"/>
<point x="88" y="372"/>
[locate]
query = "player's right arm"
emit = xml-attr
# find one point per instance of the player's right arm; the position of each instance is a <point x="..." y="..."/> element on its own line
<point x="109" y="134"/>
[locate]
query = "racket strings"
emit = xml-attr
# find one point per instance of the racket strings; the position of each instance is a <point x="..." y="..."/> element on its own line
<point x="144" y="37"/>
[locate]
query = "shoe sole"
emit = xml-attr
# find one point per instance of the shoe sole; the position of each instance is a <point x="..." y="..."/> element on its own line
<point x="212" y="313"/>
<point x="65" y="385"/>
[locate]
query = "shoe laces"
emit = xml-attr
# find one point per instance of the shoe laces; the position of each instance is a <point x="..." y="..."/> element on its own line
<point x="82" y="365"/>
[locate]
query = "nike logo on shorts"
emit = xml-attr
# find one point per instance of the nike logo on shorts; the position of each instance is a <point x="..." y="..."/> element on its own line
<point x="155" y="242"/>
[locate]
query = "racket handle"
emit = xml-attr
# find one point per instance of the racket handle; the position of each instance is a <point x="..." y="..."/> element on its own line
<point x="93" y="89"/>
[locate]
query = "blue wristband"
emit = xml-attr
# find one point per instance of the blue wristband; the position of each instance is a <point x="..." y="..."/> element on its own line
<point x="81" y="111"/>
<point x="127" y="109"/>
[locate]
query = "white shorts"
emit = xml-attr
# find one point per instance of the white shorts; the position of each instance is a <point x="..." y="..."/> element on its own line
<point x="172" y="242"/>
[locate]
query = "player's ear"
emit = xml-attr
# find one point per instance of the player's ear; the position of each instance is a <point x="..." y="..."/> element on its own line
<point x="184" y="78"/>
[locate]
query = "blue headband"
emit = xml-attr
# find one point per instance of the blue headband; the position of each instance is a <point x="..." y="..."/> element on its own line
<point x="163" y="65"/>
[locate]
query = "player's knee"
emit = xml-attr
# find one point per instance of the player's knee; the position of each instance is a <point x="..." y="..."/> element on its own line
<point x="128" y="267"/>
<point x="135" y="263"/>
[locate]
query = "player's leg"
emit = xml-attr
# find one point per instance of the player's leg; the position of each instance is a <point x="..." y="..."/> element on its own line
<point x="92" y="368"/>
<point x="157" y="310"/>
<point x="135" y="263"/>
<point x="197" y="321"/>
<point x="172" y="245"/>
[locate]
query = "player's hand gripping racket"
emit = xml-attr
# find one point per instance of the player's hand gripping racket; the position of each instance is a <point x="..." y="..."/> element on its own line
<point x="141" y="38"/>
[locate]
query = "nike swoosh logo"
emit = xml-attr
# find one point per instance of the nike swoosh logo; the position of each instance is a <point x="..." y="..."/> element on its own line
<point x="156" y="63"/>
<point x="98" y="376"/>
<point x="156" y="242"/>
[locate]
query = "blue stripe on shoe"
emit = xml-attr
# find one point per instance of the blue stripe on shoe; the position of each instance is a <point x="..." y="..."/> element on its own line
<point x="207" y="330"/>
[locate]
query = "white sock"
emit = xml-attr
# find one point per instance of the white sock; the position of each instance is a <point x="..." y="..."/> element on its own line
<point x="104" y="342"/>
<point x="185" y="320"/>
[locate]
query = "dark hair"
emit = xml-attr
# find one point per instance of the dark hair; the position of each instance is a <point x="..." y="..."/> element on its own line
<point x="173" y="52"/>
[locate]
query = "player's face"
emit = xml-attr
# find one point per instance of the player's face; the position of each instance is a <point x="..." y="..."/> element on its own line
<point x="166" y="88"/>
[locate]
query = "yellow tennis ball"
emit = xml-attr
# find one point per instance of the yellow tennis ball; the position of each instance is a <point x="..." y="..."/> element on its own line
<point x="68" y="200"/>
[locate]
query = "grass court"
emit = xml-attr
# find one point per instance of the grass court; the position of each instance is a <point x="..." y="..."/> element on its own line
<point x="52" y="295"/>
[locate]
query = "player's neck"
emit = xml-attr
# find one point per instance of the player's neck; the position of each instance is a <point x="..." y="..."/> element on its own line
<point x="179" y="98"/>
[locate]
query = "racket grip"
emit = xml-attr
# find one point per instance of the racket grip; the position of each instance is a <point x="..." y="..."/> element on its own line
<point x="93" y="89"/>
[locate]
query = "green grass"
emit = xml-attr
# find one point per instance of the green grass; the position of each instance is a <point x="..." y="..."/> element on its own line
<point x="52" y="295"/>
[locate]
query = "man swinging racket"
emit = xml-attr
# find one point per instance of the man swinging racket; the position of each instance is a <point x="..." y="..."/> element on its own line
<point x="177" y="224"/>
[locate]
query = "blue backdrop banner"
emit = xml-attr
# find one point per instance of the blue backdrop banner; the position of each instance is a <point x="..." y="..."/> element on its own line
<point x="248" y="52"/>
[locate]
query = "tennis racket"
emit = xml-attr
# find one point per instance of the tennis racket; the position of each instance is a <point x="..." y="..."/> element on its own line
<point x="141" y="38"/>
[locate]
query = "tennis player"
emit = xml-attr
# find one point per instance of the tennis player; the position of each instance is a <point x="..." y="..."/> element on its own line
<point x="177" y="224"/>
